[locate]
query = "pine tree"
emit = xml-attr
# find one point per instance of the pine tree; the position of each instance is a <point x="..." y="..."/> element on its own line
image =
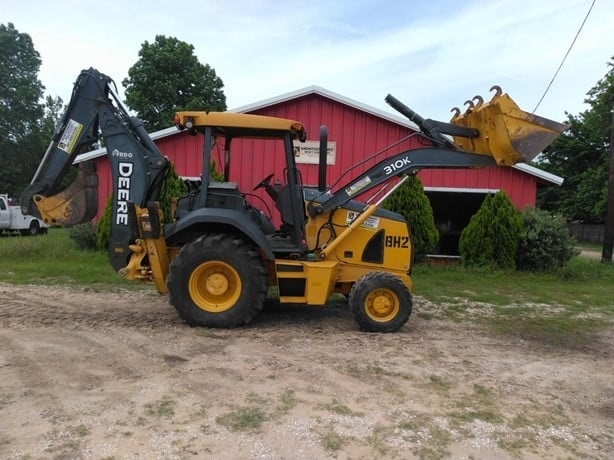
<point x="410" y="201"/>
<point x="493" y="234"/>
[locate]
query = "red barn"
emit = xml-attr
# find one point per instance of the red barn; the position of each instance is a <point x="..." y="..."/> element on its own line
<point x="355" y="132"/>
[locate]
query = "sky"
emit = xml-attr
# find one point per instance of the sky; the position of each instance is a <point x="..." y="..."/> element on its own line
<point x="431" y="54"/>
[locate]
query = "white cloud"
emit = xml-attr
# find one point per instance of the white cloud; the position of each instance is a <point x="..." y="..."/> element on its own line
<point x="431" y="55"/>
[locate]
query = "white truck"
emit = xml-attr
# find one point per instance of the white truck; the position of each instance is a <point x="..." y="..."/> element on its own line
<point x="13" y="220"/>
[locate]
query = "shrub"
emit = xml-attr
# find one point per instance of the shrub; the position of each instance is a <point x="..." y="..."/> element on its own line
<point x="546" y="243"/>
<point x="103" y="227"/>
<point x="493" y="234"/>
<point x="172" y="187"/>
<point x="84" y="235"/>
<point x="410" y="201"/>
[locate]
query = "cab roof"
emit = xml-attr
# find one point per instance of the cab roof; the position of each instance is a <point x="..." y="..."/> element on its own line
<point x="240" y="124"/>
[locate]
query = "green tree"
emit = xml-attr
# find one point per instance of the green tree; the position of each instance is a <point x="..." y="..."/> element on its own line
<point x="21" y="111"/>
<point x="167" y="78"/>
<point x="581" y="157"/>
<point x="410" y="201"/>
<point x="491" y="239"/>
<point x="53" y="110"/>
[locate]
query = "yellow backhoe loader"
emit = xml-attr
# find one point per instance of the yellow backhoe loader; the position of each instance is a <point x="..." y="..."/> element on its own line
<point x="220" y="255"/>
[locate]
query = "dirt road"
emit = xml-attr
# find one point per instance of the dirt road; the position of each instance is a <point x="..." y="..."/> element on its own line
<point x="93" y="375"/>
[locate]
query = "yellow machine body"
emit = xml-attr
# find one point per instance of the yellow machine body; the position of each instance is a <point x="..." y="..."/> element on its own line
<point x="375" y="242"/>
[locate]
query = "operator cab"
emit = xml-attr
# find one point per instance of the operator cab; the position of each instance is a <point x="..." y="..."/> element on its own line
<point x="229" y="137"/>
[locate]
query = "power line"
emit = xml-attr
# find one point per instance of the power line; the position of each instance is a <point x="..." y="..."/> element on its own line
<point x="565" y="57"/>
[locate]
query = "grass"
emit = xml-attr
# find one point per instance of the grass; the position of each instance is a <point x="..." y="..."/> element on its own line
<point x="5" y="400"/>
<point x="581" y="281"/>
<point x="438" y="384"/>
<point x="564" y="307"/>
<point x="589" y="246"/>
<point x="340" y="408"/>
<point x="243" y="419"/>
<point x="162" y="408"/>
<point x="82" y="430"/>
<point x="332" y="441"/>
<point x="567" y="307"/>
<point x="287" y="401"/>
<point x="55" y="259"/>
<point x="422" y="430"/>
<point x="479" y="405"/>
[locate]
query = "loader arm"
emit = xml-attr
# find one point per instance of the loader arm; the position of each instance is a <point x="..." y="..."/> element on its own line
<point x="408" y="162"/>
<point x="138" y="168"/>
<point x="495" y="133"/>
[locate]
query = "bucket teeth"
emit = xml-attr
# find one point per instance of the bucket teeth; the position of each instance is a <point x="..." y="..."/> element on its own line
<point x="506" y="132"/>
<point x="497" y="89"/>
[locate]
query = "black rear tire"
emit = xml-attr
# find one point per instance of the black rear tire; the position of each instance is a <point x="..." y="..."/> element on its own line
<point x="218" y="280"/>
<point x="380" y="302"/>
<point x="33" y="229"/>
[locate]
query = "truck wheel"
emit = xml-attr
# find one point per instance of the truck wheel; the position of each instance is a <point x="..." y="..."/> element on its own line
<point x="380" y="302"/>
<point x="33" y="229"/>
<point x="217" y="280"/>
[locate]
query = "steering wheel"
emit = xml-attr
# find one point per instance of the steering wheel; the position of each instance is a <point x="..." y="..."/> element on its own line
<point x="264" y="182"/>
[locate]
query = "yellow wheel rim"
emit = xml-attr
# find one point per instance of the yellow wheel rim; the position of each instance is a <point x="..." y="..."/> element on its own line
<point x="382" y="305"/>
<point x="214" y="286"/>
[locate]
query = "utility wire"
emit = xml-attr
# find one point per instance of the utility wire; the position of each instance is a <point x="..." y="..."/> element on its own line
<point x="565" y="57"/>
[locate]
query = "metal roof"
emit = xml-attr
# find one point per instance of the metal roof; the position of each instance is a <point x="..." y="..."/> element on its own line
<point x="539" y="173"/>
<point x="314" y="89"/>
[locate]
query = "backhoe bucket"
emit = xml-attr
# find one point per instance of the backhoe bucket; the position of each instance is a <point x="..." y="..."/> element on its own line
<point x="506" y="132"/>
<point x="76" y="204"/>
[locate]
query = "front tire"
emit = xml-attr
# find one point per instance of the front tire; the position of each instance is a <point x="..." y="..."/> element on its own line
<point x="380" y="302"/>
<point x="218" y="280"/>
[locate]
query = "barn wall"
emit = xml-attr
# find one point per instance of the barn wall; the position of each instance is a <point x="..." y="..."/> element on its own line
<point x="357" y="135"/>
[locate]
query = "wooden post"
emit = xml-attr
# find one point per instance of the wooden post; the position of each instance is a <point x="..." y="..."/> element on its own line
<point x="608" y="235"/>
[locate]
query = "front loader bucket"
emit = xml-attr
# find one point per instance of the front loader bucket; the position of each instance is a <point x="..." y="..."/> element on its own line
<point x="506" y="132"/>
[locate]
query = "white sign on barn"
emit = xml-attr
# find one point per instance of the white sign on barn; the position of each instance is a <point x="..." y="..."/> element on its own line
<point x="308" y="152"/>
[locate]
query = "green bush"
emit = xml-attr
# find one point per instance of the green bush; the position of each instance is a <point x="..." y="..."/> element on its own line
<point x="546" y="243"/>
<point x="492" y="236"/>
<point x="103" y="227"/>
<point x="213" y="174"/>
<point x="410" y="201"/>
<point x="84" y="235"/>
<point x="173" y="187"/>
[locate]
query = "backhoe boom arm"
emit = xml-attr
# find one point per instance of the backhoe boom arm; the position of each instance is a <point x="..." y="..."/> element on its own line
<point x="138" y="168"/>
